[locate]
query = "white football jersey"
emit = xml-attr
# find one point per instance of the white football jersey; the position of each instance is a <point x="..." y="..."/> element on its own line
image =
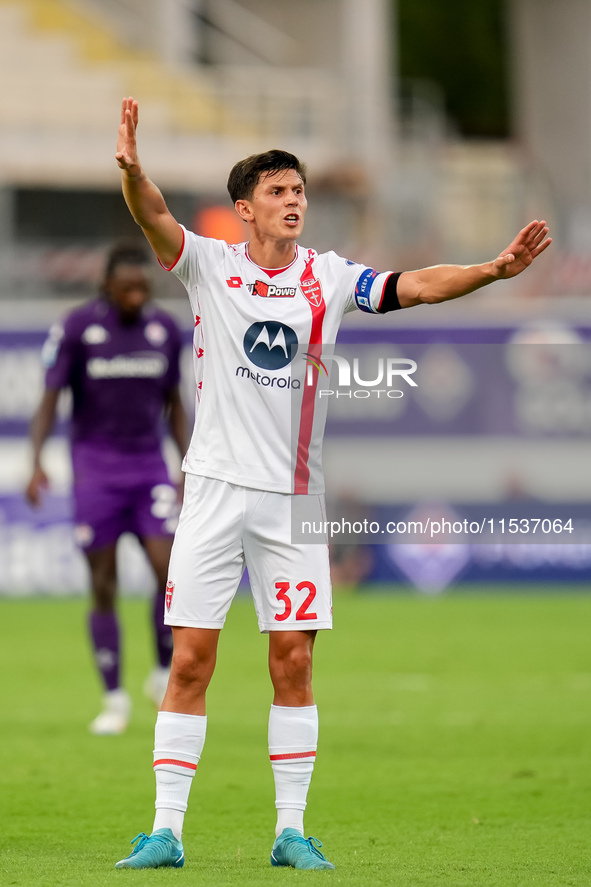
<point x="258" y="344"/>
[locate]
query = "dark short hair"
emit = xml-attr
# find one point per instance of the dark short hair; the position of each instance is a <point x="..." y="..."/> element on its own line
<point x="246" y="174"/>
<point x="126" y="252"/>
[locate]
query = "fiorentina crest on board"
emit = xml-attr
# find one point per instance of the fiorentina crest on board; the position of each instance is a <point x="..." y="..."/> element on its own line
<point x="169" y="594"/>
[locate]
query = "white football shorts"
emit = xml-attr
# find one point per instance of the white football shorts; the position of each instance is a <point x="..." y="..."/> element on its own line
<point x="223" y="528"/>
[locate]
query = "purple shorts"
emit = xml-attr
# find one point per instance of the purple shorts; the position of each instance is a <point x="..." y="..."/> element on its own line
<point x="117" y="493"/>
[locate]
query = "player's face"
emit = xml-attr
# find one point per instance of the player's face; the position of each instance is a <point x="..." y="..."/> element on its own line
<point x="279" y="205"/>
<point x="129" y="288"/>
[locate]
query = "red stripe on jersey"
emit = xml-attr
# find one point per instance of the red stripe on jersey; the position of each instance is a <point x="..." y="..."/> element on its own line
<point x="176" y="763"/>
<point x="302" y="469"/>
<point x="298" y="754"/>
<point x="170" y="267"/>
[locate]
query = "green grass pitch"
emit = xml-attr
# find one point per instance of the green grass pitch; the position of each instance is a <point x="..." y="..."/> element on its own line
<point x="455" y="747"/>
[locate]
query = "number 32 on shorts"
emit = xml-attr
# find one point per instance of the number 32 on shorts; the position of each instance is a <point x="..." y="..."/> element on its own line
<point x="302" y="612"/>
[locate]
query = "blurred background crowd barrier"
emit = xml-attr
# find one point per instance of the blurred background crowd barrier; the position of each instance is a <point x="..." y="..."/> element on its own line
<point x="416" y="155"/>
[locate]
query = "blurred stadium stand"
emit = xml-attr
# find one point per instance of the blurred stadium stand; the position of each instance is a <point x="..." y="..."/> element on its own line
<point x="389" y="185"/>
<point x="218" y="79"/>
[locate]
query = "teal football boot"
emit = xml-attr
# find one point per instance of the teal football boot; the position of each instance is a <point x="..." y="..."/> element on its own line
<point x="157" y="850"/>
<point x="291" y="848"/>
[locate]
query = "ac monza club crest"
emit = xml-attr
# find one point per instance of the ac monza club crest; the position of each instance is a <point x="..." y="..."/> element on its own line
<point x="169" y="594"/>
<point x="312" y="290"/>
<point x="309" y="285"/>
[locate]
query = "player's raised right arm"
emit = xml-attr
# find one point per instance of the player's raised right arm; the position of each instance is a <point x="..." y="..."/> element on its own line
<point x="143" y="198"/>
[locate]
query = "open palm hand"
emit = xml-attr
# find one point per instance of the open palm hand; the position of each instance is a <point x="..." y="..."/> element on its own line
<point x="127" y="156"/>
<point x="528" y="245"/>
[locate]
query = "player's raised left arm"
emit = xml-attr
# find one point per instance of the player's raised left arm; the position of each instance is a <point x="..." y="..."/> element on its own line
<point x="443" y="282"/>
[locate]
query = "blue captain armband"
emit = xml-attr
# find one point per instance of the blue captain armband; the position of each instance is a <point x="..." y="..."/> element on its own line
<point x="387" y="298"/>
<point x="363" y="290"/>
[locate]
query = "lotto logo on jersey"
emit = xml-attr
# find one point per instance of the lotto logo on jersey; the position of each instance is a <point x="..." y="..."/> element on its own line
<point x="270" y="345"/>
<point x="169" y="594"/>
<point x="270" y="291"/>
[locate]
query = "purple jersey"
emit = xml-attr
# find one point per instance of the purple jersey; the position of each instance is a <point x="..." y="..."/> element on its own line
<point x="120" y="374"/>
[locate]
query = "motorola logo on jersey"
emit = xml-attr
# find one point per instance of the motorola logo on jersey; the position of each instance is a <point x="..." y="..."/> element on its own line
<point x="270" y="345"/>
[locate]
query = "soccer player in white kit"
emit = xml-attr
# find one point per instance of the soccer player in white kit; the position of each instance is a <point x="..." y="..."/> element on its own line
<point x="256" y="444"/>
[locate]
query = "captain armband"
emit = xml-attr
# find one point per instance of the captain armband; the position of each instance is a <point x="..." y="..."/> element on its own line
<point x="390" y="295"/>
<point x="375" y="293"/>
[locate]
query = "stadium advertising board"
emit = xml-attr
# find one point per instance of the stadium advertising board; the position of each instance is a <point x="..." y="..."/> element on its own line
<point x="489" y="426"/>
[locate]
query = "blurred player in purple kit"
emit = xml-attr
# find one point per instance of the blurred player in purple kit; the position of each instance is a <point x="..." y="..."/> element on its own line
<point x="119" y="355"/>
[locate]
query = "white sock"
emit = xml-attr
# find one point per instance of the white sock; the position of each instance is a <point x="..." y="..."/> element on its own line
<point x="178" y="743"/>
<point x="293" y="739"/>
